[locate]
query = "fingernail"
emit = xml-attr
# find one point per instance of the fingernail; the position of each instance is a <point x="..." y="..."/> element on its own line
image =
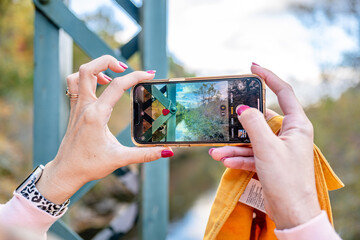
<point x="210" y="150"/>
<point x="123" y="65"/>
<point x="107" y="77"/>
<point x="241" y="109"/>
<point x="256" y="64"/>
<point x="151" y="71"/>
<point x="223" y="159"/>
<point x="166" y="153"/>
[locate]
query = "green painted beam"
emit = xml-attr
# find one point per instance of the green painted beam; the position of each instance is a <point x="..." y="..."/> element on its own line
<point x="48" y="91"/>
<point x="156" y="125"/>
<point x="82" y="191"/>
<point x="170" y="119"/>
<point x="154" y="204"/>
<point x="171" y="123"/>
<point x="124" y="137"/>
<point x="58" y="13"/>
<point x="130" y="8"/>
<point x="159" y="96"/>
<point x="130" y="48"/>
<point x="50" y="102"/>
<point x="63" y="231"/>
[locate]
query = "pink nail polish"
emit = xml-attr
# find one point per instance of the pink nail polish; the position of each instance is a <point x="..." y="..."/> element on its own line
<point x="256" y="64"/>
<point x="151" y="71"/>
<point x="211" y="150"/>
<point x="123" y="65"/>
<point x="167" y="153"/>
<point x="107" y="77"/>
<point x="241" y="109"/>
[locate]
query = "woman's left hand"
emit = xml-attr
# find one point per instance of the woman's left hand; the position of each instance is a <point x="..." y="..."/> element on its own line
<point x="89" y="151"/>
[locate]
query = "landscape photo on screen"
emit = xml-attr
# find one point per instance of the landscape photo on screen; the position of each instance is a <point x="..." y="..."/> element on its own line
<point x="197" y="111"/>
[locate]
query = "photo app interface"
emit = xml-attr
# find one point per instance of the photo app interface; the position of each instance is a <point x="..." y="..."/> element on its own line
<point x="198" y="111"/>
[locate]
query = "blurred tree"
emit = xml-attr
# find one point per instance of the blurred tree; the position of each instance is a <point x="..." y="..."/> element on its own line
<point x="177" y="70"/>
<point x="331" y="8"/>
<point x="327" y="12"/>
<point x="16" y="48"/>
<point x="4" y="6"/>
<point x="337" y="134"/>
<point x="207" y="92"/>
<point x="103" y="22"/>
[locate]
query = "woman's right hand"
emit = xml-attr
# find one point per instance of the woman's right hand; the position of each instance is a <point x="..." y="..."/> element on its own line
<point x="89" y="151"/>
<point x="284" y="163"/>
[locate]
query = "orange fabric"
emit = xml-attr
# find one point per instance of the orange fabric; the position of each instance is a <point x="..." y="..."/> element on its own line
<point x="229" y="219"/>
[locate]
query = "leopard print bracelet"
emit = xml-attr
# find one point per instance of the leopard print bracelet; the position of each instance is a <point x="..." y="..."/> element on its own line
<point x="31" y="193"/>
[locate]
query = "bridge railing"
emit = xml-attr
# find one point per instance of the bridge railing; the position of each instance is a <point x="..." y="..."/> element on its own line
<point x="55" y="29"/>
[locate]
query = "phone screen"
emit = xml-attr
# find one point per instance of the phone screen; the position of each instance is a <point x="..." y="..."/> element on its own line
<point x="193" y="111"/>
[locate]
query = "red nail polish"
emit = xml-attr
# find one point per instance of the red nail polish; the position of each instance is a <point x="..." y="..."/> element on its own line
<point x="107" y="77"/>
<point x="151" y="71"/>
<point x="123" y="65"/>
<point x="255" y="64"/>
<point x="211" y="150"/>
<point x="241" y="109"/>
<point x="167" y="153"/>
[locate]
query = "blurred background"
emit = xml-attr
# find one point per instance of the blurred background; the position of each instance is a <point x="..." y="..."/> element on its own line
<point x="314" y="45"/>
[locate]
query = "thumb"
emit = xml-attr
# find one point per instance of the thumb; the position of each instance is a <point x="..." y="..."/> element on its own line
<point x="132" y="155"/>
<point x="254" y="123"/>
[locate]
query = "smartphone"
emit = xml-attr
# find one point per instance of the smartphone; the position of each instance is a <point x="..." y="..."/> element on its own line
<point x="193" y="111"/>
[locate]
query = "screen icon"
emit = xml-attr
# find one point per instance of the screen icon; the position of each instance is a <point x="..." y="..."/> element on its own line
<point x="242" y="133"/>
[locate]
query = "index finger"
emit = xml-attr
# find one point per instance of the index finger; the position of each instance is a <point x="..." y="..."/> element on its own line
<point x="286" y="96"/>
<point x="88" y="74"/>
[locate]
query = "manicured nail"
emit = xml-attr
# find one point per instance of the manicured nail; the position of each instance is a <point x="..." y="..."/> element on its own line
<point x="240" y="109"/>
<point x="256" y="64"/>
<point x="123" y="65"/>
<point x="151" y="71"/>
<point x="210" y="150"/>
<point x="107" y="77"/>
<point x="166" y="153"/>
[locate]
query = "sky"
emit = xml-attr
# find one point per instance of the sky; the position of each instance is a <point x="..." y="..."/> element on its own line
<point x="223" y="37"/>
<point x="186" y="93"/>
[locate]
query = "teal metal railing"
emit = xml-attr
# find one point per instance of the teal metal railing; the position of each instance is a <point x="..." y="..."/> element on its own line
<point x="55" y="27"/>
<point x="169" y="119"/>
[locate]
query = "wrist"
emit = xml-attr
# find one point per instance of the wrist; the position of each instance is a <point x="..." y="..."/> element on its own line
<point x="56" y="185"/>
<point x="295" y="213"/>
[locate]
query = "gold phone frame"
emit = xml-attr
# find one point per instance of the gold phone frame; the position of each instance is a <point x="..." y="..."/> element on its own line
<point x="193" y="79"/>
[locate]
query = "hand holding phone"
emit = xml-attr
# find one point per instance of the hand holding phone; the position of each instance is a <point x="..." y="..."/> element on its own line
<point x="284" y="163"/>
<point x="194" y="111"/>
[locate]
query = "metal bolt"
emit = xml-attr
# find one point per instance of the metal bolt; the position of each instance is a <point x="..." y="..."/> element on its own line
<point x="173" y="109"/>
